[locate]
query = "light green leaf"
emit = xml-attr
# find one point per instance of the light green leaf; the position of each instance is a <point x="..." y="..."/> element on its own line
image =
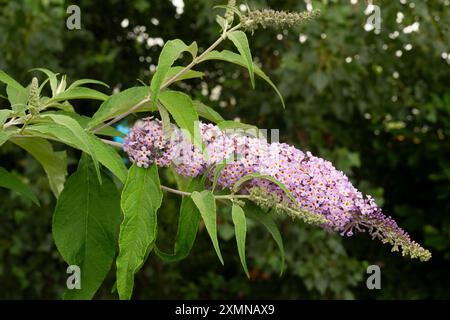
<point x="119" y="103"/>
<point x="85" y="227"/>
<point x="80" y="137"/>
<point x="18" y="98"/>
<point x="141" y="199"/>
<point x="182" y="109"/>
<point x="257" y="214"/>
<point x="206" y="204"/>
<point x="10" y="181"/>
<point x="207" y="112"/>
<point x="239" y="38"/>
<point x="84" y="123"/>
<point x="104" y="153"/>
<point x="54" y="163"/>
<point x="240" y="230"/>
<point x="79" y="93"/>
<point x="4" y="115"/>
<point x="235" y="58"/>
<point x="81" y="82"/>
<point x="188" y="223"/>
<point x="191" y="74"/>
<point x="169" y="54"/>
<point x="5" y="78"/>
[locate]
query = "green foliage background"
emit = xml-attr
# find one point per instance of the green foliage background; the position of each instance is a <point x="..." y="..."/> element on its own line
<point x="382" y="119"/>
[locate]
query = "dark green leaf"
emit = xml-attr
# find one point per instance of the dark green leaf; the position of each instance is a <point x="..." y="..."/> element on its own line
<point x="181" y="108"/>
<point x="188" y="223"/>
<point x="169" y="54"/>
<point x="239" y="38"/>
<point x="240" y="230"/>
<point x="206" y="204"/>
<point x="10" y="181"/>
<point x="257" y="214"/>
<point x="207" y="112"/>
<point x="141" y="199"/>
<point x="84" y="227"/>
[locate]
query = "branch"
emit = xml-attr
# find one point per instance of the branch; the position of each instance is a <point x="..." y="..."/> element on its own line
<point x="196" y="61"/>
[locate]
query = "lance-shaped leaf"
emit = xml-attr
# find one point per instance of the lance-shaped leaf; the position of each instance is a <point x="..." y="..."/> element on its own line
<point x="206" y="204"/>
<point x="235" y="58"/>
<point x="182" y="109"/>
<point x="207" y="112"/>
<point x="190" y="74"/>
<point x="255" y="213"/>
<point x="141" y="199"/>
<point x="240" y="230"/>
<point x="85" y="227"/>
<point x="104" y="153"/>
<point x="120" y="103"/>
<point x="9" y="81"/>
<point x="169" y="54"/>
<point x="188" y="223"/>
<point x="79" y="93"/>
<point x="10" y="181"/>
<point x="79" y="136"/>
<point x="82" y="82"/>
<point x="54" y="163"/>
<point x="239" y="38"/>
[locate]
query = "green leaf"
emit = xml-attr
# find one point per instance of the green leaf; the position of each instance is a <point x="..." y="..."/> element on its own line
<point x="207" y="112"/>
<point x="54" y="163"/>
<point x="188" y="223"/>
<point x="85" y="225"/>
<point x="81" y="82"/>
<point x="232" y="57"/>
<point x="119" y="103"/>
<point x="169" y="54"/>
<point x="239" y="126"/>
<point x="84" y="123"/>
<point x="5" y="78"/>
<point x="4" y="115"/>
<point x="190" y="74"/>
<point x="4" y="136"/>
<point x="10" y="181"/>
<point x="79" y="137"/>
<point x="240" y="230"/>
<point x="182" y="109"/>
<point x="257" y="214"/>
<point x="239" y="38"/>
<point x="206" y="204"/>
<point x="141" y="199"/>
<point x="52" y="78"/>
<point x="79" y="93"/>
<point x="252" y="176"/>
<point x="105" y="154"/>
<point x="18" y="97"/>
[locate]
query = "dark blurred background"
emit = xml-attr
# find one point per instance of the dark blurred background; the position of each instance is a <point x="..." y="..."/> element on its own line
<point x="376" y="104"/>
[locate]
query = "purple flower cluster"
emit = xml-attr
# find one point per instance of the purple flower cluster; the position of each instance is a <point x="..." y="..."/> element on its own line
<point x="316" y="185"/>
